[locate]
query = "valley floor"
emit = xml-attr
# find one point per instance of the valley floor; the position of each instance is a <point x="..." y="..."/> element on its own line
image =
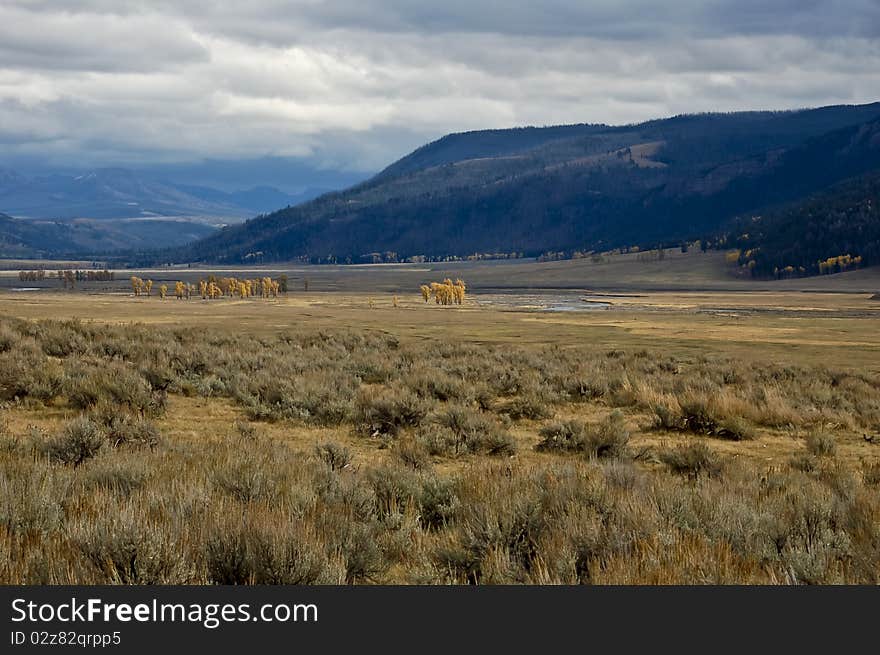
<point x="668" y="436"/>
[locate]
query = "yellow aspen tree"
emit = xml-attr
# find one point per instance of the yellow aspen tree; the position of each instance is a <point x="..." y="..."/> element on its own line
<point x="460" y="289"/>
<point x="426" y="292"/>
<point x="135" y="285"/>
<point x="148" y="285"/>
<point x="394" y="302"/>
<point x="163" y="291"/>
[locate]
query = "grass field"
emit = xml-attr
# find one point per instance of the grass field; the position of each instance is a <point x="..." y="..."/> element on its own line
<point x="717" y="432"/>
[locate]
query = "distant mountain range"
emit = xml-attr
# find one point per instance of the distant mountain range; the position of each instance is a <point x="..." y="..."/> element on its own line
<point x="532" y="190"/>
<point x="120" y="193"/>
<point x="802" y="177"/>
<point x="111" y="209"/>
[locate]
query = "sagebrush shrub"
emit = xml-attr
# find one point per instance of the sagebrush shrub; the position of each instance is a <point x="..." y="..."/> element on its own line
<point x="80" y="440"/>
<point x="334" y="455"/>
<point x="608" y="439"/>
<point x="821" y="444"/>
<point x="693" y="460"/>
<point x="386" y="413"/>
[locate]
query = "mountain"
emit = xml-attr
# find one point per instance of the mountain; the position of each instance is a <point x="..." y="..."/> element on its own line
<point x="113" y="209"/>
<point x="585" y="186"/>
<point x="80" y="237"/>
<point x="256" y="200"/>
<point x="107" y="193"/>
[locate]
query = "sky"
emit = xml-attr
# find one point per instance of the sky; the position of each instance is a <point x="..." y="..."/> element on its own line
<point x="353" y="85"/>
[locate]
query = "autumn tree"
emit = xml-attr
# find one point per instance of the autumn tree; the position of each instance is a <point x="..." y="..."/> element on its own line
<point x="179" y="290"/>
<point x="148" y="286"/>
<point x="163" y="291"/>
<point x="459" y="289"/>
<point x="445" y="293"/>
<point x="137" y="285"/>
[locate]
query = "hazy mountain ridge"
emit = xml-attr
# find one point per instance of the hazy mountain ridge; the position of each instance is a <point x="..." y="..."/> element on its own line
<point x="113" y="209"/>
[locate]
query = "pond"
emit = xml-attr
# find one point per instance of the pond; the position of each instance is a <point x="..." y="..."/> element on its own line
<point x="542" y="301"/>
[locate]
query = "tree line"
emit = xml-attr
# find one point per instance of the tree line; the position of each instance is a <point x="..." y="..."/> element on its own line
<point x="213" y="288"/>
<point x="67" y="277"/>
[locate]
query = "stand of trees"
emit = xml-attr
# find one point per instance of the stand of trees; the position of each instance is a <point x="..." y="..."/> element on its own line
<point x="444" y="293"/>
<point x="213" y="288"/>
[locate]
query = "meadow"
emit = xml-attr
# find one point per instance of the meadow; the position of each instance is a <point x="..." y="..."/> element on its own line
<point x="710" y="433"/>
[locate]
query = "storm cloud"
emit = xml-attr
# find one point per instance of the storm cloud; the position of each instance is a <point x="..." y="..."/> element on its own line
<point x="355" y="84"/>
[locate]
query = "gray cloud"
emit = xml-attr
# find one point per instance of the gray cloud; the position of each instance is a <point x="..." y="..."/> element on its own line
<point x="355" y="84"/>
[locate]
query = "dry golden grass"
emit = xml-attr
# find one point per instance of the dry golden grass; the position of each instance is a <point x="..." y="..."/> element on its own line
<point x="313" y="439"/>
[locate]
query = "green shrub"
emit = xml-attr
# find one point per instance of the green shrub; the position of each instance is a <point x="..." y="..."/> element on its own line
<point x="608" y="439"/>
<point x="247" y="480"/>
<point x="123" y="429"/>
<point x="334" y="455"/>
<point x="735" y="429"/>
<point x="464" y="430"/>
<point x="693" y="460"/>
<point x="81" y="439"/>
<point x="413" y="454"/>
<point x="438" y="502"/>
<point x="386" y="413"/>
<point x="562" y="437"/>
<point x="125" y="551"/>
<point x="697" y="416"/>
<point x="530" y="406"/>
<point x="256" y="555"/>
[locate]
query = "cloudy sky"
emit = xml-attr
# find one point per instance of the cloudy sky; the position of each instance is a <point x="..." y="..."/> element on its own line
<point x="354" y="84"/>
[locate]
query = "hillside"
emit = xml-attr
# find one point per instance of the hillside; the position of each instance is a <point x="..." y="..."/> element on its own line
<point x="531" y="190"/>
<point x="832" y="231"/>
